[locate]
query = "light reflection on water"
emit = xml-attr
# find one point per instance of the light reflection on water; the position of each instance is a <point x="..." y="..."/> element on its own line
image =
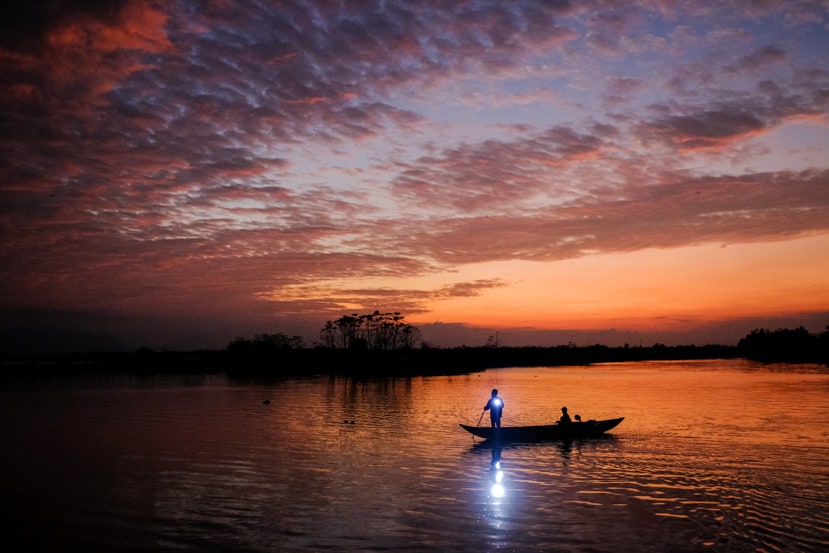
<point x="712" y="456"/>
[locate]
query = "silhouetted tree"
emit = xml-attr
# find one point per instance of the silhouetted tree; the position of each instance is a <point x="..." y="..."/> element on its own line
<point x="784" y="344"/>
<point x="342" y="333"/>
<point x="374" y="331"/>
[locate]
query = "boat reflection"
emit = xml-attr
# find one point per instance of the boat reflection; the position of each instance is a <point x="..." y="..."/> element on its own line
<point x="564" y="447"/>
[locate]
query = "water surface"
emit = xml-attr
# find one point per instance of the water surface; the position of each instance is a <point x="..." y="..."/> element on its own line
<point x="712" y="456"/>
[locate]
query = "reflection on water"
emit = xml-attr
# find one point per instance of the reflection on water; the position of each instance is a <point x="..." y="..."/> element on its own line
<point x="497" y="490"/>
<point x="713" y="456"/>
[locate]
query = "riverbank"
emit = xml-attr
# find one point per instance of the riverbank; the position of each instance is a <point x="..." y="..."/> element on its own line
<point x="311" y="361"/>
<point x="269" y="361"/>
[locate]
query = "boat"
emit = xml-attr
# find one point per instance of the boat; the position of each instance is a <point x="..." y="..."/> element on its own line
<point x="573" y="430"/>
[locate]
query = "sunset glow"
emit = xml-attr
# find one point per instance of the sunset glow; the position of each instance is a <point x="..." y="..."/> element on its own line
<point x="179" y="174"/>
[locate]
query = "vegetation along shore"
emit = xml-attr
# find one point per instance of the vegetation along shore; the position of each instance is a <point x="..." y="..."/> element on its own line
<point x="383" y="344"/>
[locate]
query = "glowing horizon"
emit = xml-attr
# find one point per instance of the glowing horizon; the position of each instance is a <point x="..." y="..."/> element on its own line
<point x="647" y="289"/>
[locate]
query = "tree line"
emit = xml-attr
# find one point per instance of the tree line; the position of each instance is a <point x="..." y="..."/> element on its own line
<point x="786" y="345"/>
<point x="369" y="332"/>
<point x="384" y="344"/>
<point x="385" y="340"/>
<point x="390" y="332"/>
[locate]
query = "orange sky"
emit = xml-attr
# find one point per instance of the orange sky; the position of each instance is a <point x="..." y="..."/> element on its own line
<point x="650" y="288"/>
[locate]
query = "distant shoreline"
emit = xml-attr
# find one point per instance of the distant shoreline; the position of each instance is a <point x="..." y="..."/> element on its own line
<point x="409" y="362"/>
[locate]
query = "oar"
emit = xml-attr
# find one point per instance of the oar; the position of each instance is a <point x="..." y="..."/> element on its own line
<point x="481" y="418"/>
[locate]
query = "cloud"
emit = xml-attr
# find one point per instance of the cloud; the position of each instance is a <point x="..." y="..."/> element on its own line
<point x="708" y="129"/>
<point x="307" y="297"/>
<point x="68" y="58"/>
<point x="761" y="59"/>
<point x="689" y="211"/>
<point x="493" y="175"/>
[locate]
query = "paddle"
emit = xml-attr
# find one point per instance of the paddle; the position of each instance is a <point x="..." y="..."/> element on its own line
<point x="481" y="418"/>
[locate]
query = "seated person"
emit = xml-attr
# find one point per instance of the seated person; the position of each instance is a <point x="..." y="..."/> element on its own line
<point x="565" y="418"/>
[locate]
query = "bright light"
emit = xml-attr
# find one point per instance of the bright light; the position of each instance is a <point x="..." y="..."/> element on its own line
<point x="496" y="402"/>
<point x="497" y="490"/>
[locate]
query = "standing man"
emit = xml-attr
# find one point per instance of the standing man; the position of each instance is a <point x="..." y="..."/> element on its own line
<point x="495" y="405"/>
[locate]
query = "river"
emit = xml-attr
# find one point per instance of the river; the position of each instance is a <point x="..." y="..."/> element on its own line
<point x="718" y="456"/>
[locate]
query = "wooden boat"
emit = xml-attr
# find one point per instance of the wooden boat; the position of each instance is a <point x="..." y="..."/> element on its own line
<point x="574" y="430"/>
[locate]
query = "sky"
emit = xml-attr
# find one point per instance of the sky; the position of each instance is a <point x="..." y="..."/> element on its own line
<point x="178" y="174"/>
